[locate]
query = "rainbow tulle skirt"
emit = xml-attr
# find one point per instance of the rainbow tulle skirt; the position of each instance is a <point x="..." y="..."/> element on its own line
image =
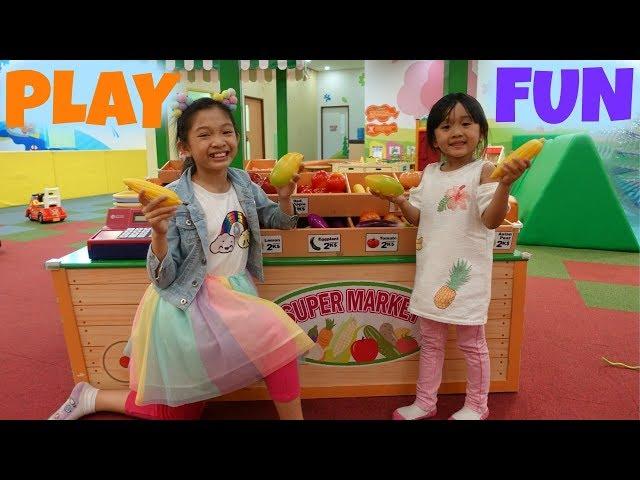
<point x="227" y="339"/>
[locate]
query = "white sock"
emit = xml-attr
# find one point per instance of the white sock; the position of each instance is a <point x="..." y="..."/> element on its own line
<point x="465" y="413"/>
<point x="81" y="402"/>
<point x="411" y="412"/>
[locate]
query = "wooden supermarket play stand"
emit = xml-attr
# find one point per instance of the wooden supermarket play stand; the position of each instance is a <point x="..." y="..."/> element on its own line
<point x="98" y="300"/>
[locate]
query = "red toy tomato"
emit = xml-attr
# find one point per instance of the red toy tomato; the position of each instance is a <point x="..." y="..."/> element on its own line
<point x="407" y="345"/>
<point x="256" y="178"/>
<point x="267" y="187"/>
<point x="336" y="183"/>
<point x="305" y="189"/>
<point x="373" y="242"/>
<point x="124" y="361"/>
<point x="364" y="350"/>
<point x="319" y="179"/>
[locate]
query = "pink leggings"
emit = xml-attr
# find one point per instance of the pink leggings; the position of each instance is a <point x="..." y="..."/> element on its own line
<point x="472" y="343"/>
<point x="283" y="386"/>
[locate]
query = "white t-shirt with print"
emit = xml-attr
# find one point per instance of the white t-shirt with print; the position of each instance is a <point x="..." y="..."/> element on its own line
<point x="227" y="231"/>
<point x="454" y="249"/>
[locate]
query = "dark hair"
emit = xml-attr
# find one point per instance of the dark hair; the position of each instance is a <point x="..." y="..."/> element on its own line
<point x="440" y="111"/>
<point x="185" y="121"/>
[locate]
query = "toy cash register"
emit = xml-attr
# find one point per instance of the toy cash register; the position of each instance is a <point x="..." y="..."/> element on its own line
<point x="126" y="235"/>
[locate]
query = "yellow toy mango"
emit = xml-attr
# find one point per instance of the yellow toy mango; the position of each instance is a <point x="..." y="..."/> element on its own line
<point x="285" y="168"/>
<point x="384" y="184"/>
<point x="526" y="151"/>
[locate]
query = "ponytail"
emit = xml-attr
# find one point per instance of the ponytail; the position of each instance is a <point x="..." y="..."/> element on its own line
<point x="188" y="162"/>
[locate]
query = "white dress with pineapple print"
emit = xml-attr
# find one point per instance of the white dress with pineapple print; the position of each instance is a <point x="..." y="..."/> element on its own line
<point x="454" y="249"/>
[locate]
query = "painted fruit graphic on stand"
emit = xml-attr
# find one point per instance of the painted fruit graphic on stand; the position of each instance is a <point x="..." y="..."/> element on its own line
<point x="326" y="334"/>
<point x="364" y="350"/>
<point x="357" y="344"/>
<point x="313" y="333"/>
<point x="407" y="344"/>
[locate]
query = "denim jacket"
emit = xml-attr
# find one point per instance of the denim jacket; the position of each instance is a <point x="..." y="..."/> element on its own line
<point x="183" y="269"/>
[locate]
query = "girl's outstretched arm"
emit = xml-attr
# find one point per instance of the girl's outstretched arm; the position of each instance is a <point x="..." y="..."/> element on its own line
<point x="497" y="210"/>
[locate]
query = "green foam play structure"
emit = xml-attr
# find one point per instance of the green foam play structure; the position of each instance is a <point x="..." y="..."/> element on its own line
<point x="567" y="200"/>
<point x="518" y="140"/>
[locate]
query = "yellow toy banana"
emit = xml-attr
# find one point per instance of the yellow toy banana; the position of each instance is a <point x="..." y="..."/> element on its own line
<point x="525" y="152"/>
<point x="153" y="191"/>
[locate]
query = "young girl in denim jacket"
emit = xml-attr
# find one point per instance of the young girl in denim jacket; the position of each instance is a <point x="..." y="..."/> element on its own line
<point x="201" y="330"/>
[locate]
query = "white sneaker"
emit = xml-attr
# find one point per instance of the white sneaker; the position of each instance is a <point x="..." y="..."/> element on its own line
<point x="465" y="413"/>
<point x="412" y="412"/>
<point x="81" y="402"/>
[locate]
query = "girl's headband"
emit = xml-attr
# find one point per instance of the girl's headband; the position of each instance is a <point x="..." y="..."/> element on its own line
<point x="182" y="101"/>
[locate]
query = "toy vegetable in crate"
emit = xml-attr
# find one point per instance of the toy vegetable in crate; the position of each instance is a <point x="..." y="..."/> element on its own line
<point x="410" y="179"/>
<point x="525" y="152"/>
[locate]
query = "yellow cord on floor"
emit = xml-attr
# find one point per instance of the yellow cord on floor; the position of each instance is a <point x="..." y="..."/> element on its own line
<point x="622" y="365"/>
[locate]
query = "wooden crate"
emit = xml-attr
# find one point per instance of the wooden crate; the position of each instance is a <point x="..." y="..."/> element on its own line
<point x="507" y="237"/>
<point x="260" y="166"/>
<point x="366" y="167"/>
<point x="170" y="171"/>
<point x="362" y="167"/>
<point x="350" y="241"/>
<point x="154" y="180"/>
<point x="493" y="153"/>
<point x="347" y="204"/>
<point x="359" y="241"/>
<point x="311" y="166"/>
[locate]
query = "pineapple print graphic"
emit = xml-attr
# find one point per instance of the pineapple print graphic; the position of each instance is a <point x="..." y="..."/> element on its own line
<point x="458" y="276"/>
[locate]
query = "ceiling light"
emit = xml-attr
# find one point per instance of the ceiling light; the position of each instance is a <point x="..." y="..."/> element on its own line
<point x="327" y="67"/>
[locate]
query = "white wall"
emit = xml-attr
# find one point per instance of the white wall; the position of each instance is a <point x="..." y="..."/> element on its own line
<point x="405" y="85"/>
<point x="302" y="116"/>
<point x="341" y="85"/>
